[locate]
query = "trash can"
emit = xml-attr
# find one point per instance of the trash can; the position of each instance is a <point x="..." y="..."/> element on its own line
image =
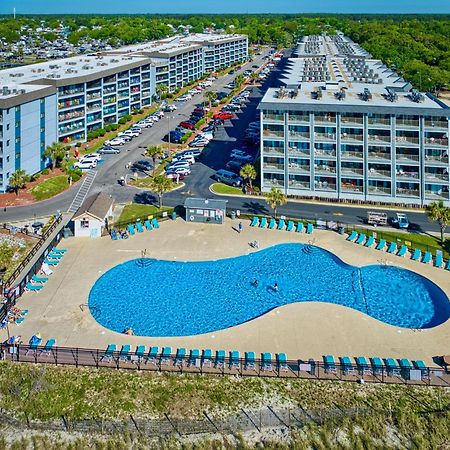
<point x="174" y="215"/>
<point x="233" y="215"/>
<point x="341" y="229"/>
<point x="66" y="232"/>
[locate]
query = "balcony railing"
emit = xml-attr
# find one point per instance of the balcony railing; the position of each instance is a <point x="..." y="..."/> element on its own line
<point x="299" y="185"/>
<point x="436" y="176"/>
<point x="351" y="171"/>
<point x="324" y="186"/>
<point x="298" y="151"/>
<point x="295" y="167"/>
<point x="348" y="120"/>
<point x="273" y="133"/>
<point x="376" y="173"/>
<point x="436" y="158"/>
<point x="441" y="124"/>
<point x="379" y="190"/>
<point x="274" y="117"/>
<point x="70" y="128"/>
<point x="407" y="157"/>
<point x="325" y="170"/>
<point x="379" y="138"/>
<point x="380" y="155"/>
<point x="325" y="153"/>
<point x="352" y="137"/>
<point x="402" y="192"/>
<point x="406" y="140"/>
<point x="349" y="187"/>
<point x="355" y="155"/>
<point x="269" y="165"/>
<point x="324" y="120"/>
<point x="273" y="182"/>
<point x="407" y="123"/>
<point x="107" y="101"/>
<point x="325" y="136"/>
<point x="379" y="122"/>
<point x="440" y="142"/>
<point x="70" y="115"/>
<point x="407" y="175"/>
<point x="93" y="96"/>
<point x="273" y="150"/>
<point x="298" y="118"/>
<point x="436" y="195"/>
<point x="299" y="135"/>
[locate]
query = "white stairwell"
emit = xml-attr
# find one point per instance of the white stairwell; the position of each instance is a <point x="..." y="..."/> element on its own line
<point x="82" y="192"/>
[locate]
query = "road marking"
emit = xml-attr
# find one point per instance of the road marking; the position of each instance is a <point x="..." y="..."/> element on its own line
<point x="338" y="214"/>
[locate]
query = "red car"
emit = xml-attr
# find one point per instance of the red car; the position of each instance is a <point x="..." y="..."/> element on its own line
<point x="223" y="115"/>
<point x="188" y="125"/>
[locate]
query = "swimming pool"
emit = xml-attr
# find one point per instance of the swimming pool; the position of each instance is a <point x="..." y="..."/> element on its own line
<point x="170" y="298"/>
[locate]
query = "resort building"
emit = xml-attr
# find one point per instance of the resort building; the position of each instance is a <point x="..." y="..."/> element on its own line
<point x="344" y="126"/>
<point x="62" y="100"/>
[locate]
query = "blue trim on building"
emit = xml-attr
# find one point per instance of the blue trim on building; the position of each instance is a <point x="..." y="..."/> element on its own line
<point x="42" y="132"/>
<point x="17" y="163"/>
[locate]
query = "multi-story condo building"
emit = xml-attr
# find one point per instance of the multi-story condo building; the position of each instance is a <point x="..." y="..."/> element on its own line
<point x="62" y="100"/>
<point x="344" y="126"/>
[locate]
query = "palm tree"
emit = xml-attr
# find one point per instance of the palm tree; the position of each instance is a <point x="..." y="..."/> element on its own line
<point x="440" y="213"/>
<point x="275" y="197"/>
<point x="160" y="184"/>
<point x="211" y="96"/>
<point x="161" y="89"/>
<point x="155" y="152"/>
<point x="18" y="179"/>
<point x="54" y="152"/>
<point x="253" y="77"/>
<point x="248" y="172"/>
<point x="239" y="80"/>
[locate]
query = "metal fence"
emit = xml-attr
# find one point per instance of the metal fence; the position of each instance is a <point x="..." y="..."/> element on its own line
<point x="194" y="363"/>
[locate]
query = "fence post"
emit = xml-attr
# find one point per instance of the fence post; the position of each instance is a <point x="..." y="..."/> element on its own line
<point x="76" y="357"/>
<point x="97" y="359"/>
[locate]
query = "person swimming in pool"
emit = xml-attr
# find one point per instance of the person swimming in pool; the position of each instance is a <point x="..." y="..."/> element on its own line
<point x="255" y="283"/>
<point x="275" y="287"/>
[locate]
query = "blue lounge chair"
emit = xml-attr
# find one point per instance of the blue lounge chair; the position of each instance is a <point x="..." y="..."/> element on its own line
<point x="194" y="357"/>
<point x="392" y="366"/>
<point x="57" y="256"/>
<point x="179" y="358"/>
<point x="263" y="222"/>
<point x="381" y="245"/>
<point x="363" y="366"/>
<point x="130" y="229"/>
<point x="405" y="367"/>
<point x="438" y="261"/>
<point x="254" y="222"/>
<point x="139" y="227"/>
<point x="109" y="353"/>
<point x="330" y="365"/>
<point x="51" y="262"/>
<point x="155" y="223"/>
<point x="249" y="361"/>
<point x="33" y="343"/>
<point x="114" y="236"/>
<point x="282" y="362"/>
<point x="124" y="352"/>
<point x="447" y="267"/>
<point x="48" y="347"/>
<point x="59" y="250"/>
<point x="402" y="251"/>
<point x="426" y="258"/>
<point x="370" y="241"/>
<point x="272" y="223"/>
<point x="207" y="357"/>
<point x="235" y="360"/>
<point x="148" y="225"/>
<point x="266" y="362"/>
<point x="420" y="365"/>
<point x="377" y="365"/>
<point x="281" y="224"/>
<point x="392" y="247"/>
<point x="352" y="236"/>
<point x="299" y="228"/>
<point x="152" y="355"/>
<point x="220" y="359"/>
<point x="361" y="239"/>
<point x="290" y="225"/>
<point x="347" y="366"/>
<point x="166" y="355"/>
<point x="33" y="287"/>
<point x="37" y="279"/>
<point x="139" y="354"/>
<point x="416" y="255"/>
<point x="309" y="228"/>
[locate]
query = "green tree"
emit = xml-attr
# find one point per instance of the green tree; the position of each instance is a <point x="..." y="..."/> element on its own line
<point x="275" y="198"/>
<point x="253" y="77"/>
<point x="18" y="180"/>
<point x="160" y="184"/>
<point x="55" y="152"/>
<point x="249" y="173"/>
<point x="155" y="152"/>
<point x="438" y="212"/>
<point x="161" y="90"/>
<point x="239" y="80"/>
<point x="210" y="96"/>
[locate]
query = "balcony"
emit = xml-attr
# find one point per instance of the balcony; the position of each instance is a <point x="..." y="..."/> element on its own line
<point x="108" y="100"/>
<point x="351" y="188"/>
<point x="407" y="157"/>
<point x="324" y="170"/>
<point x="69" y="129"/>
<point x="435" y="176"/>
<point x="279" y="151"/>
<point x="70" y="103"/>
<point x="379" y="139"/>
<point x="436" y="159"/>
<point x="437" y="142"/>
<point x="407" y="123"/>
<point x="299" y="118"/>
<point x="70" y="115"/>
<point x="346" y="137"/>
<point x="303" y="168"/>
<point x="298" y="135"/>
<point x="325" y="153"/>
<point x="352" y="120"/>
<point x="273" y="117"/>
<point x="403" y="192"/>
<point x="273" y="166"/>
<point x="379" y="190"/>
<point x="94" y="107"/>
<point x="273" y="133"/>
<point x="294" y="184"/>
<point x="324" y="186"/>
<point x="93" y="96"/>
<point x="379" y="122"/>
<point x="440" y="194"/>
<point x="325" y="120"/>
<point x="295" y="151"/>
<point x="401" y="175"/>
<point x="441" y="125"/>
<point x="352" y="171"/>
<point x="109" y="90"/>
<point x="273" y="182"/>
<point x="406" y="140"/>
<point x="330" y="137"/>
<point x="379" y="173"/>
<point x="70" y="92"/>
<point x="385" y="156"/>
<point x="352" y="155"/>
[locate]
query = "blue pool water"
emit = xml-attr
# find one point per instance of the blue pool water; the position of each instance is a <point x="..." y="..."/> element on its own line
<point x="169" y="298"/>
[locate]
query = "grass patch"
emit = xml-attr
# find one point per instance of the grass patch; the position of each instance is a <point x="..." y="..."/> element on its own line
<point x="49" y="188"/>
<point x="424" y="242"/>
<point x="136" y="211"/>
<point x="220" y="188"/>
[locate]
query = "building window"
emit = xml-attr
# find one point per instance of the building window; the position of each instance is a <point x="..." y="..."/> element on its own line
<point x="84" y="223"/>
<point x="7" y="126"/>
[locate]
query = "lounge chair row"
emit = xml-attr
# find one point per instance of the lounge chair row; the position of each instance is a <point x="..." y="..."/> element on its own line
<point x="138" y="227"/>
<point x="35" y="348"/>
<point x="194" y="357"/>
<point x="53" y="258"/>
<point x="290" y="226"/>
<point x="394" y="249"/>
<point x="375" y="366"/>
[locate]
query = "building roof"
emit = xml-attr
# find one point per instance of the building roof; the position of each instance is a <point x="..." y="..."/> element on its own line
<point x="204" y="203"/>
<point x="96" y="205"/>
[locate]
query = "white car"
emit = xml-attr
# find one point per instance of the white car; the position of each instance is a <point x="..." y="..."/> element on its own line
<point x="91" y="157"/>
<point x="236" y="152"/>
<point x="115" y="141"/>
<point x="184" y="158"/>
<point x="85" y="165"/>
<point x="243" y="159"/>
<point x="129" y="133"/>
<point x="177" y="165"/>
<point x="179" y="170"/>
<point x="209" y="136"/>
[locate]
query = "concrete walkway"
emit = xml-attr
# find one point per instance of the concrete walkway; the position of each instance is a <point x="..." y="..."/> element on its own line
<point x="302" y="330"/>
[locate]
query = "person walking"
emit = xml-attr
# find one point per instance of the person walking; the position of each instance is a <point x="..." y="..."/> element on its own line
<point x="240" y="227"/>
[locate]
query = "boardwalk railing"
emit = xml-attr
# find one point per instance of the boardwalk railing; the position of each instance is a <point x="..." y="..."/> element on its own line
<point x="196" y="363"/>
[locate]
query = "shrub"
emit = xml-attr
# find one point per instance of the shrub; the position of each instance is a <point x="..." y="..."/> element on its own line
<point x="35" y="177"/>
<point x="75" y="174"/>
<point x="108" y="128"/>
<point x="90" y="136"/>
<point x="45" y="172"/>
<point x="78" y="144"/>
<point x="185" y="137"/>
<point x="114" y="127"/>
<point x="101" y="132"/>
<point x="200" y="123"/>
<point x="122" y="120"/>
<point x="127" y="117"/>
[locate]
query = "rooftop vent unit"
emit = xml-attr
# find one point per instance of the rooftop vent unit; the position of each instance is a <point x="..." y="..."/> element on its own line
<point x="317" y="94"/>
<point x="366" y="95"/>
<point x="22" y="91"/>
<point x="391" y="95"/>
<point x="341" y="94"/>
<point x="416" y="96"/>
<point x="5" y="90"/>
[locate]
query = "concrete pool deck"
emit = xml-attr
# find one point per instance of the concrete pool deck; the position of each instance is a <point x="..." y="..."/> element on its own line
<point x="302" y="330"/>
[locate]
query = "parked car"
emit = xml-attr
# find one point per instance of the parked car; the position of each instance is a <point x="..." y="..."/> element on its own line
<point x="91" y="157"/>
<point x="187" y="124"/>
<point x="115" y="141"/>
<point x="85" y="165"/>
<point x="232" y="107"/>
<point x="177" y="164"/>
<point x="142" y="165"/>
<point x="179" y="170"/>
<point x="175" y="176"/>
<point x="234" y="166"/>
<point x="195" y="152"/>
<point x="237" y="152"/>
<point x="243" y="159"/>
<point x="184" y="158"/>
<point x="401" y="221"/>
<point x="223" y="115"/>
<point x="199" y="143"/>
<point x="221" y="95"/>
<point x="107" y="150"/>
<point x="227" y="177"/>
<point x="169" y="108"/>
<point x="129" y="133"/>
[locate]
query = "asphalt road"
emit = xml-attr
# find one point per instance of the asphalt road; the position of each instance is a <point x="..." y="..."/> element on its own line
<point x="214" y="157"/>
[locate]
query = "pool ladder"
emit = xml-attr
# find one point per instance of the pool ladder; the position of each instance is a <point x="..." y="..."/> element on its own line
<point x="143" y="262"/>
<point x="308" y="249"/>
